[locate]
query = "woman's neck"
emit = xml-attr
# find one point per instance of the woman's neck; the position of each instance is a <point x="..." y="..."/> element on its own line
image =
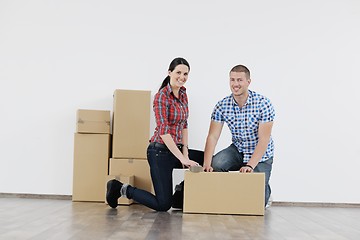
<point x="175" y="91"/>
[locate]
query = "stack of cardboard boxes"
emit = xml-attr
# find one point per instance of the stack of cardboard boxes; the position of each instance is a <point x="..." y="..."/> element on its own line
<point x="95" y="162"/>
<point x="91" y="154"/>
<point x="131" y="133"/>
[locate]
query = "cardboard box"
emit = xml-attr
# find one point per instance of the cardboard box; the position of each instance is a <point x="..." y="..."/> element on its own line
<point x="123" y="179"/>
<point x="91" y="157"/>
<point x="137" y="167"/>
<point x="224" y="193"/>
<point x="92" y="121"/>
<point x="131" y="123"/>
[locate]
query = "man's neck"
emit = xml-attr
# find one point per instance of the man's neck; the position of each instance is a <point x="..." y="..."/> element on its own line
<point x="241" y="99"/>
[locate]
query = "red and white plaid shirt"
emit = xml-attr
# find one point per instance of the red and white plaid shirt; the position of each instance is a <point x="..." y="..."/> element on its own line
<point x="171" y="114"/>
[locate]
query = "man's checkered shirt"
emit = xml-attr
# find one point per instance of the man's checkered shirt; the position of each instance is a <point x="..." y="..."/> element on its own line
<point x="244" y="122"/>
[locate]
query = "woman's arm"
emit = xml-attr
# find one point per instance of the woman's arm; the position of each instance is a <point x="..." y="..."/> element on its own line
<point x="170" y="144"/>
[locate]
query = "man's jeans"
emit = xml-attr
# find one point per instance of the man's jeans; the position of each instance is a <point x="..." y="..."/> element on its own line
<point x="230" y="159"/>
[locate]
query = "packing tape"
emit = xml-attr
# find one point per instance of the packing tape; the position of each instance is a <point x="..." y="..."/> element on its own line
<point x="196" y="169"/>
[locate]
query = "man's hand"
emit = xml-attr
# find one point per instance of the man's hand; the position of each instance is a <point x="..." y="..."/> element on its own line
<point x="208" y="168"/>
<point x="246" y="169"/>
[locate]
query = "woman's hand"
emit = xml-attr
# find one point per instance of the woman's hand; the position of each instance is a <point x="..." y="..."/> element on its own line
<point x="188" y="163"/>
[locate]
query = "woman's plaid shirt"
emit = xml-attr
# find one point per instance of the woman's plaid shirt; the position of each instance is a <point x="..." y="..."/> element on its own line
<point x="171" y="114"/>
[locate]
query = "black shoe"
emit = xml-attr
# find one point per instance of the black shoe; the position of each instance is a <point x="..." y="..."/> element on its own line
<point x="178" y="196"/>
<point x="113" y="192"/>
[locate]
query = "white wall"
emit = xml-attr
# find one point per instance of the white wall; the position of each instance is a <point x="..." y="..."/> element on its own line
<point x="58" y="56"/>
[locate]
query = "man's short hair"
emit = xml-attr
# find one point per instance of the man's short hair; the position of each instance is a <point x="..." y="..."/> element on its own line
<point x="241" y="68"/>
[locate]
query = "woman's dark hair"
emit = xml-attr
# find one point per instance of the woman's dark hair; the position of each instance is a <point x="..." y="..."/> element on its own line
<point x="173" y="64"/>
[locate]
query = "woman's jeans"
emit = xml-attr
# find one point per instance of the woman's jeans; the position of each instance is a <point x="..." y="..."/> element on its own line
<point x="230" y="159"/>
<point x="162" y="162"/>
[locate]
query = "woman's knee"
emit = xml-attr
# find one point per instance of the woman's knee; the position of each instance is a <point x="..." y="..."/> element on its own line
<point x="164" y="207"/>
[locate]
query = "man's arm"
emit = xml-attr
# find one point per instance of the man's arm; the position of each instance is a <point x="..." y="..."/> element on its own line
<point x="211" y="141"/>
<point x="264" y="138"/>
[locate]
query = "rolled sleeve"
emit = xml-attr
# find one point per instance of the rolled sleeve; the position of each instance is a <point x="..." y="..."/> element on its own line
<point x="185" y="125"/>
<point x="267" y="111"/>
<point x="217" y="114"/>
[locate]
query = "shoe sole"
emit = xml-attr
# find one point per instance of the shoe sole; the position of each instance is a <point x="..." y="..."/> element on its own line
<point x="108" y="191"/>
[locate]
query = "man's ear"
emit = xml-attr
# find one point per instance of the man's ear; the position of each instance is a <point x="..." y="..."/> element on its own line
<point x="249" y="80"/>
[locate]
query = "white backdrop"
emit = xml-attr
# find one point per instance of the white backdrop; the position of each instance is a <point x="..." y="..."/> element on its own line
<point x="59" y="56"/>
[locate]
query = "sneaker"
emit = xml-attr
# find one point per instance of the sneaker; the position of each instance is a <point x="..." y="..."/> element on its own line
<point x="113" y="192"/>
<point x="269" y="202"/>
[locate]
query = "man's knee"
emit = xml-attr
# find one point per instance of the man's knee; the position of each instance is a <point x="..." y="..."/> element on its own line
<point x="218" y="165"/>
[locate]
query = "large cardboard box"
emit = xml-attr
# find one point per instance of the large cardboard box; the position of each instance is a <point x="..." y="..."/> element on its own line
<point x="131" y="123"/>
<point x="224" y="193"/>
<point x="91" y="157"/>
<point x="92" y="121"/>
<point x="137" y="167"/>
<point x="123" y="179"/>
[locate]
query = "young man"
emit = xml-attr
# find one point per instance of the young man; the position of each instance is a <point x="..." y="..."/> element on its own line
<point x="250" y="118"/>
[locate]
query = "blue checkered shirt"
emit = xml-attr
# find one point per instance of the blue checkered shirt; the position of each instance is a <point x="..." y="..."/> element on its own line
<point x="244" y="122"/>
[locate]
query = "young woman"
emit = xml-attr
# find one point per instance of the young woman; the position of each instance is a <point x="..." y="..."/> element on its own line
<point x="168" y="148"/>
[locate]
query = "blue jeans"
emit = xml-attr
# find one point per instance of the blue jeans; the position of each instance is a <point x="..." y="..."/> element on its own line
<point x="230" y="159"/>
<point x="162" y="162"/>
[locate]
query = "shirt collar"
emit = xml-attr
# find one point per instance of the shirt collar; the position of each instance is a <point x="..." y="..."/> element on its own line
<point x="249" y="100"/>
<point x="182" y="90"/>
